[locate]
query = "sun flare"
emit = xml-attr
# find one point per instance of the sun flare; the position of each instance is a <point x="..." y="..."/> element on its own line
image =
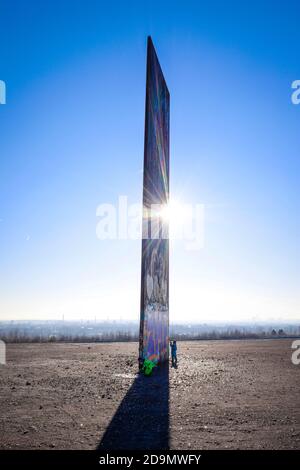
<point x="175" y="213"/>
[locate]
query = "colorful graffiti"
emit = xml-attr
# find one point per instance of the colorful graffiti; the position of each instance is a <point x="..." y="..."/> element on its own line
<point x="154" y="319"/>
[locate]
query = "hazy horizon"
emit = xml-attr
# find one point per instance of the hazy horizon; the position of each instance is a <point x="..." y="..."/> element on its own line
<point x="183" y="323"/>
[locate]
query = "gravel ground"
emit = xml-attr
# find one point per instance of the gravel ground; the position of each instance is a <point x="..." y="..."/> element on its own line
<point x="223" y="395"/>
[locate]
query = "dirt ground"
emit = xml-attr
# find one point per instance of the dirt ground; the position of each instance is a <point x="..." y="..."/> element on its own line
<point x="223" y="395"/>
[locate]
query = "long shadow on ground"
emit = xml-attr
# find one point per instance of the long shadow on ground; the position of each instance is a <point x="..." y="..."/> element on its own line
<point x="142" y="419"/>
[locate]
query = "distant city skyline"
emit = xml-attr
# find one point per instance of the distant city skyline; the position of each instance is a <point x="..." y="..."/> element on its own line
<point x="72" y="133"/>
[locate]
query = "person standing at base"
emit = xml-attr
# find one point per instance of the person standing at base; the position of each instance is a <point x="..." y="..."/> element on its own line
<point x="174" y="353"/>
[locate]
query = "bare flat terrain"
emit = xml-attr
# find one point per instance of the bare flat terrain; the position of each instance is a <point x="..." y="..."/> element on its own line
<point x="223" y="395"/>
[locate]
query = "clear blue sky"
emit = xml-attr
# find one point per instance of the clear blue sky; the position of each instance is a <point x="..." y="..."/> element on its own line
<point x="72" y="138"/>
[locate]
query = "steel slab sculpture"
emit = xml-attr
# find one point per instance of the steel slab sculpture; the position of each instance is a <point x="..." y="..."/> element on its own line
<point x="154" y="314"/>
